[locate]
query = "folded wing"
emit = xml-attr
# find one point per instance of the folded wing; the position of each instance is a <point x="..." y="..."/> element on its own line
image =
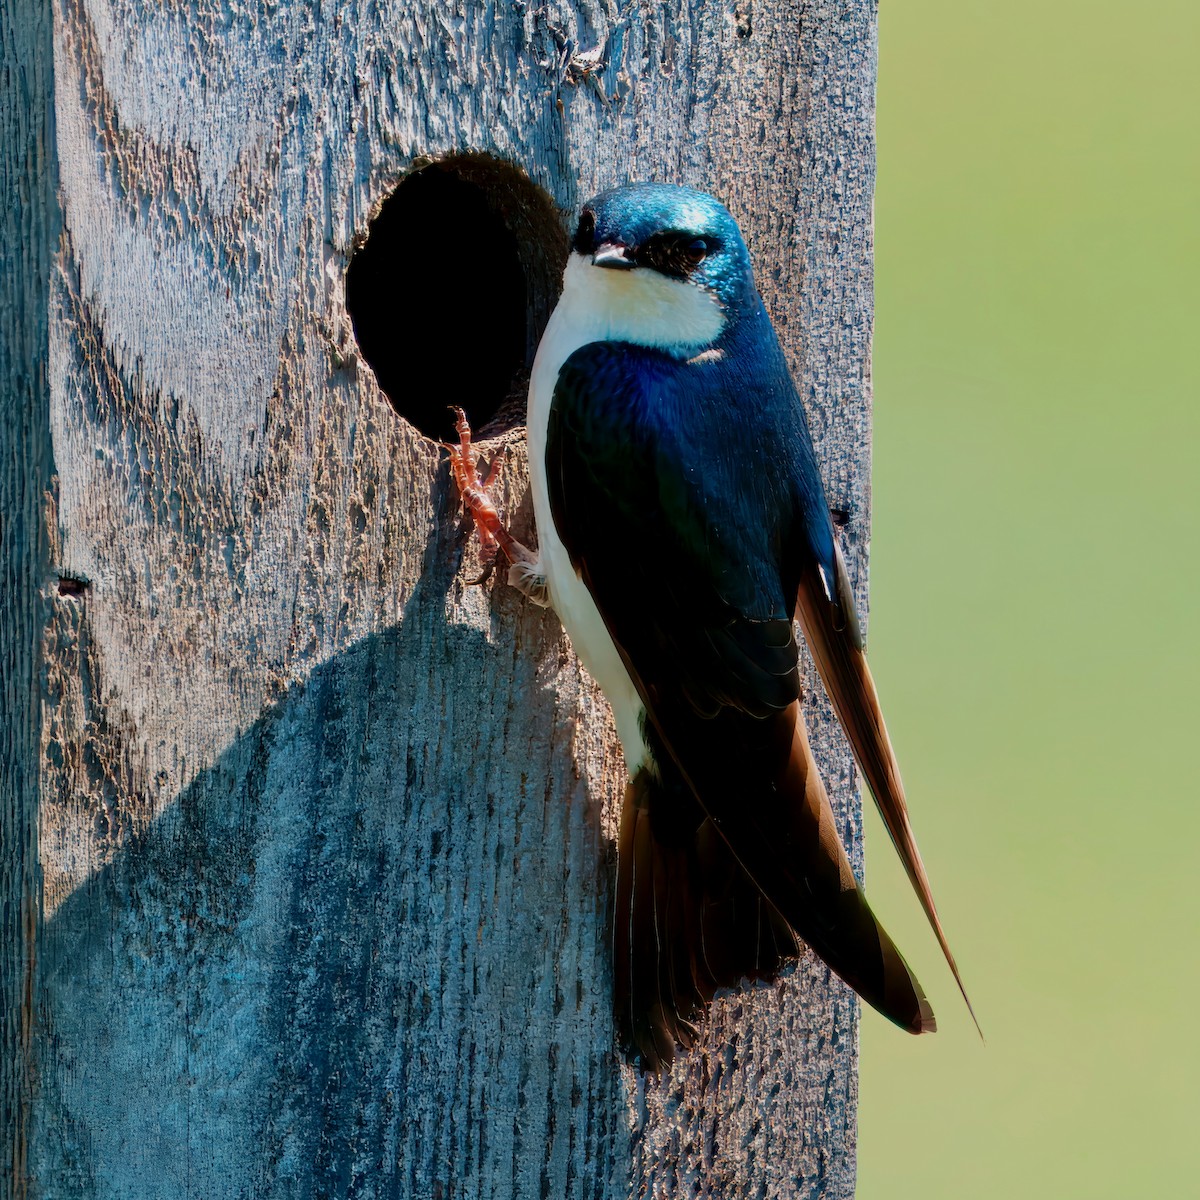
<point x="825" y="609"/>
<point x="682" y="540"/>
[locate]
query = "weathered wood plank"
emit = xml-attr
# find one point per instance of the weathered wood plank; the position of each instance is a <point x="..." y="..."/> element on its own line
<point x="28" y="233"/>
<point x="326" y="832"/>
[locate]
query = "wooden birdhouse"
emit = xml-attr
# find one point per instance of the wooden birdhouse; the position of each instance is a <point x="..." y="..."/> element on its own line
<point x="306" y="876"/>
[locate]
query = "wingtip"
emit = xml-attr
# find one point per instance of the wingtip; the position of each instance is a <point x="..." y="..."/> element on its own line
<point x="962" y="990"/>
<point x="937" y="927"/>
<point x="974" y="1018"/>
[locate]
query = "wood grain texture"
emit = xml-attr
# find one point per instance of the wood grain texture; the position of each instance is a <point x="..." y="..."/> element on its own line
<point x="326" y="833"/>
<point x="28" y="234"/>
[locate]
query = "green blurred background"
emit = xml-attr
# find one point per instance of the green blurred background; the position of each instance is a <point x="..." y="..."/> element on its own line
<point x="1034" y="586"/>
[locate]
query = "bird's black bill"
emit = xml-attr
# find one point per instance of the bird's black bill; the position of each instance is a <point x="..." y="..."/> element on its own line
<point x="619" y="258"/>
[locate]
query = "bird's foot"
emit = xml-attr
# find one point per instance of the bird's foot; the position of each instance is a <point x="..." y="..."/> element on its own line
<point x="476" y="498"/>
<point x="481" y="508"/>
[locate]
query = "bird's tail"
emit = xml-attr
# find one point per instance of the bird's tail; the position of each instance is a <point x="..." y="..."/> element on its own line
<point x="707" y="899"/>
<point x="688" y="920"/>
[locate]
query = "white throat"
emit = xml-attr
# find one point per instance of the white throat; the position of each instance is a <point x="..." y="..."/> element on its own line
<point x="639" y="306"/>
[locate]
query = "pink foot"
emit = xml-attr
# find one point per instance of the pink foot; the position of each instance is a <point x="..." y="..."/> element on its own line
<point x="478" y="502"/>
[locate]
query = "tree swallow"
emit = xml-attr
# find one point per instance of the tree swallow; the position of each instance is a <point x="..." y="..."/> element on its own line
<point x="682" y="526"/>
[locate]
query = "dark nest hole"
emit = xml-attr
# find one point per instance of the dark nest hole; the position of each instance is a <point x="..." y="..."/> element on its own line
<point x="451" y="290"/>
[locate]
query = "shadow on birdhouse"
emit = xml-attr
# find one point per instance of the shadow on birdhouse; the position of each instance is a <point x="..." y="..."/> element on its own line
<point x="451" y="290"/>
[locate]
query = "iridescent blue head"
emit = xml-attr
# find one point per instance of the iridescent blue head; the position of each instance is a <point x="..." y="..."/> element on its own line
<point x="677" y="232"/>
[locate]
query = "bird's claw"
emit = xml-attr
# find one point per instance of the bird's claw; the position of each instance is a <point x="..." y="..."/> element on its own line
<point x="476" y="498"/>
<point x="478" y="502"/>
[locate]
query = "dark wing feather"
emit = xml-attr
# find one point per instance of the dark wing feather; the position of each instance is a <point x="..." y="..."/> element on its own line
<point x="825" y="608"/>
<point x="680" y="531"/>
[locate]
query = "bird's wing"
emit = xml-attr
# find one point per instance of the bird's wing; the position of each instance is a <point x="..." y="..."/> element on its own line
<point x="825" y="609"/>
<point x="678" y="528"/>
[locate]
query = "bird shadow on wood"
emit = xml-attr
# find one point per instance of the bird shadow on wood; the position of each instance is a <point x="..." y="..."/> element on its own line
<point x="363" y="954"/>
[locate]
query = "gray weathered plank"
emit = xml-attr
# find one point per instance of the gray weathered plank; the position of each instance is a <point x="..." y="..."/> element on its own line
<point x="28" y="232"/>
<point x="325" y="832"/>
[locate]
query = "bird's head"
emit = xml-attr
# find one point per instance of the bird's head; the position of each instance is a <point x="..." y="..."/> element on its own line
<point x="666" y="264"/>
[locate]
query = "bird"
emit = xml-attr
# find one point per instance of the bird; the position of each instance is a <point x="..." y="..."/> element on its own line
<point x="683" y="528"/>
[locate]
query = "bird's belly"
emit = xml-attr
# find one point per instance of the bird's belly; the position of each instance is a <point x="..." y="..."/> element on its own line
<point x="568" y="593"/>
<point x="595" y="647"/>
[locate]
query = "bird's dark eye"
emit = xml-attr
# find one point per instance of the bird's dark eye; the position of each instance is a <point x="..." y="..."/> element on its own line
<point x="674" y="254"/>
<point x="585" y="235"/>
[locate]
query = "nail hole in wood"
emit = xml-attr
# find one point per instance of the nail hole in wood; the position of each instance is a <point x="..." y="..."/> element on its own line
<point x="69" y="585"/>
<point x="451" y="289"/>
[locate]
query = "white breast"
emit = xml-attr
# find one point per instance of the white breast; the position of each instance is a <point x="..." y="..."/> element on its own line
<point x="600" y="304"/>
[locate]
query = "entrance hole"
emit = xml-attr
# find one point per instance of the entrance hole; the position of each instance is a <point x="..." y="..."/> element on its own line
<point x="451" y="289"/>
